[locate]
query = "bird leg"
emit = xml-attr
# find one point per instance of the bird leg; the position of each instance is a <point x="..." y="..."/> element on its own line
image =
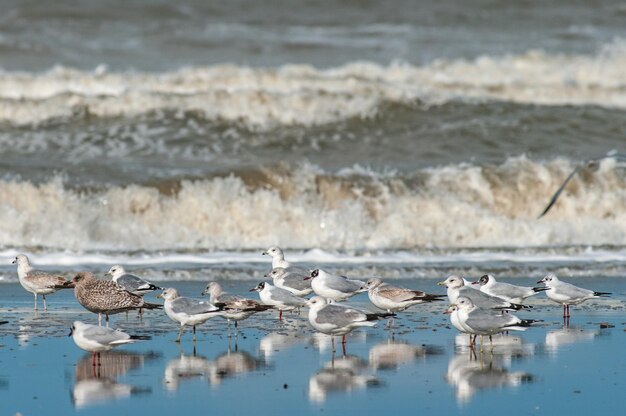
<point x="106" y="316"/>
<point x="180" y="333"/>
<point x="280" y="315"/>
<point x="99" y="319"/>
<point x="45" y="307"/>
<point x="194" y="333"/>
<point x="332" y="343"/>
<point x="35" y="302"/>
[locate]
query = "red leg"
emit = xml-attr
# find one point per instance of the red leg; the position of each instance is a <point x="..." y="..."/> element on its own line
<point x="280" y="315"/>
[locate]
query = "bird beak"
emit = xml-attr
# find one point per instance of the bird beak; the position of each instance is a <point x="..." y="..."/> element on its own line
<point x="541" y="281"/>
<point x="449" y="310"/>
<point x="71" y="332"/>
<point x="108" y="274"/>
<point x="160" y="296"/>
<point x="254" y="289"/>
<point x="441" y="283"/>
<point x="265" y="253"/>
<point x="308" y="278"/>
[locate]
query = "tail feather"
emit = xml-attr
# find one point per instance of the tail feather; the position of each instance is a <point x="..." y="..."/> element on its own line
<point x="427" y="297"/>
<point x="68" y="284"/>
<point x="148" y="305"/>
<point x="539" y="289"/>
<point x="519" y="307"/>
<point x="140" y="337"/>
<point x="601" y="293"/>
<point x="377" y="316"/>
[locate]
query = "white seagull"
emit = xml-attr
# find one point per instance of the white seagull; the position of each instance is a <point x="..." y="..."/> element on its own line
<point x="187" y="311"/>
<point x="237" y="307"/>
<point x="567" y="294"/>
<point x="38" y="282"/>
<point x="278" y="258"/>
<point x="336" y="319"/>
<point x="96" y="338"/>
<point x="283" y="299"/>
<point x="131" y="283"/>
<point x="292" y="280"/>
<point x="506" y="291"/>
<point x="456" y="287"/>
<point x="334" y="287"/>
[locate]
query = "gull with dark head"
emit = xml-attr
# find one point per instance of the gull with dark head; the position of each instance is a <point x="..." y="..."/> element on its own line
<point x="131" y="283"/>
<point x="283" y="299"/>
<point x="187" y="311"/>
<point x="38" y="282"/>
<point x="567" y="294"/>
<point x="334" y="287"/>
<point x="456" y="287"/>
<point x="506" y="291"/>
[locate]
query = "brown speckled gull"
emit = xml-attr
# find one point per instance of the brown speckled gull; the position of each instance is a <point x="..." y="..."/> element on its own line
<point x="105" y="297"/>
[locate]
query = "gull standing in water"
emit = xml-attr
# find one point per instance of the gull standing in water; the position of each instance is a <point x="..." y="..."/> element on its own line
<point x="292" y="280"/>
<point x="482" y="322"/>
<point x="38" y="282"/>
<point x="394" y="299"/>
<point x="131" y="283"/>
<point x="456" y="287"/>
<point x="96" y="339"/>
<point x="334" y="287"/>
<point x="281" y="298"/>
<point x="506" y="291"/>
<point x="567" y="294"/>
<point x="187" y="311"/>
<point x="236" y="307"/>
<point x="335" y="319"/>
<point x="105" y="297"/>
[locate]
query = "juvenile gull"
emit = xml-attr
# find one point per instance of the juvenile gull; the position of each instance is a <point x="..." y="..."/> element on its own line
<point x="38" y="282"/>
<point x="292" y="280"/>
<point x="97" y="338"/>
<point x="187" y="311"/>
<point x="506" y="291"/>
<point x="278" y="258"/>
<point x="456" y="287"/>
<point x="236" y="307"/>
<point x="567" y="294"/>
<point x="105" y="297"/>
<point x="131" y="283"/>
<point x="336" y="319"/>
<point x="334" y="287"/>
<point x="281" y="298"/>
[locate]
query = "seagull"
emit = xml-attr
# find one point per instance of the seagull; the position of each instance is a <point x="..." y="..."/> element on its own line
<point x="283" y="299"/>
<point x="96" y="339"/>
<point x="236" y="307"/>
<point x="131" y="283"/>
<point x="38" y="282"/>
<point x="592" y="164"/>
<point x="456" y="288"/>
<point x="394" y="299"/>
<point x="105" y="297"/>
<point x="506" y="291"/>
<point x="278" y="258"/>
<point x="477" y="321"/>
<point x="567" y="294"/>
<point x="336" y="319"/>
<point x="187" y="311"/>
<point x="292" y="280"/>
<point x="334" y="287"/>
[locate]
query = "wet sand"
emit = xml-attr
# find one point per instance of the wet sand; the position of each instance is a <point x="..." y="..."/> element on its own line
<point x="286" y="368"/>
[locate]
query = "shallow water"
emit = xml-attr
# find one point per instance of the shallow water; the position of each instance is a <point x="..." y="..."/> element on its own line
<point x="285" y="368"/>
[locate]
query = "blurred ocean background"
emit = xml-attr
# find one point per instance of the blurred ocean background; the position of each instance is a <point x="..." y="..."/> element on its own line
<point x="410" y="138"/>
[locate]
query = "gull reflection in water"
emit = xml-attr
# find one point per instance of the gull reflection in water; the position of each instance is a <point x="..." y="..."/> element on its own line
<point x="96" y="384"/>
<point x="341" y="375"/>
<point x="393" y="353"/>
<point x="470" y="374"/>
<point x="226" y="365"/>
<point x="276" y="342"/>
<point x="560" y="337"/>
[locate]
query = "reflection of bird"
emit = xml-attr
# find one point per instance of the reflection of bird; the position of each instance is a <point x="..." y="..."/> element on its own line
<point x="470" y="376"/>
<point x="187" y="311"/>
<point x="456" y="287"/>
<point x="131" y="283"/>
<point x="394" y="299"/>
<point x="592" y="164"/>
<point x="506" y="291"/>
<point x="230" y="364"/>
<point x="38" y="282"/>
<point x="275" y="342"/>
<point x="567" y="294"/>
<point x="336" y="319"/>
<point x="391" y="354"/>
<point x="292" y="280"/>
<point x="183" y="368"/>
<point x="334" y="287"/>
<point x="344" y="374"/>
<point x="236" y="307"/>
<point x="565" y="336"/>
<point x="97" y="384"/>
<point x="105" y="297"/>
<point x="283" y="299"/>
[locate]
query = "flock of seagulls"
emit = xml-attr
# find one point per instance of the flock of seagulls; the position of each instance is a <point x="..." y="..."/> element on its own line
<point x="476" y="308"/>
